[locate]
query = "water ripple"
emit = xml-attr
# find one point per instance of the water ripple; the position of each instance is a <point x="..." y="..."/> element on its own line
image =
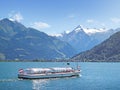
<point x="9" y="80"/>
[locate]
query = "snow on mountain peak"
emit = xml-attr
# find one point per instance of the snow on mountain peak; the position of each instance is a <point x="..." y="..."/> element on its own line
<point x="67" y="32"/>
<point x="60" y="34"/>
<point x="80" y="28"/>
<point x="90" y="31"/>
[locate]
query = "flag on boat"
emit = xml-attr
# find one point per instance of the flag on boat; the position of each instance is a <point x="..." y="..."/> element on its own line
<point x="21" y="70"/>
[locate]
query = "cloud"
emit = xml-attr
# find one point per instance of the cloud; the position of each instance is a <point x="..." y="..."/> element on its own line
<point x="103" y="24"/>
<point x="90" y="21"/>
<point x="71" y="16"/>
<point x="15" y="16"/>
<point x="115" y="20"/>
<point x="93" y="22"/>
<point x="40" y="25"/>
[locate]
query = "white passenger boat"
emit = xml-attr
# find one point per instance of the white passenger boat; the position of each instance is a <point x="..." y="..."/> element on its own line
<point x="55" y="72"/>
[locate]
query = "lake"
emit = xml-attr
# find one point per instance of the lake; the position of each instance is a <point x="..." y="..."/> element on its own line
<point x="94" y="76"/>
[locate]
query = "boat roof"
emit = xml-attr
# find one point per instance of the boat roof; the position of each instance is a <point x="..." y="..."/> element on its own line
<point x="48" y="69"/>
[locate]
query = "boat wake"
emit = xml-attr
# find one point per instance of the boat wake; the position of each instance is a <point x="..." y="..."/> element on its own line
<point x="9" y="80"/>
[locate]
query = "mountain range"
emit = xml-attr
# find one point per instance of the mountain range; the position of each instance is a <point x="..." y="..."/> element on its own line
<point x="83" y="39"/>
<point x="108" y="51"/>
<point x="18" y="42"/>
<point x="21" y="43"/>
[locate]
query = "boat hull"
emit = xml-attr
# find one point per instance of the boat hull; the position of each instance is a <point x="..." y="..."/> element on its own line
<point x="48" y="75"/>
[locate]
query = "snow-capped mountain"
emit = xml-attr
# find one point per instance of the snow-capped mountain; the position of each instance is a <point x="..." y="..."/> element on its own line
<point x="85" y="38"/>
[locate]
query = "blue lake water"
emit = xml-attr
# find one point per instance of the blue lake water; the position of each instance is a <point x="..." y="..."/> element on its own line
<point x="94" y="76"/>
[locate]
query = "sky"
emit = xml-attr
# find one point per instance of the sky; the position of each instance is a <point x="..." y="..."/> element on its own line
<point x="57" y="16"/>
